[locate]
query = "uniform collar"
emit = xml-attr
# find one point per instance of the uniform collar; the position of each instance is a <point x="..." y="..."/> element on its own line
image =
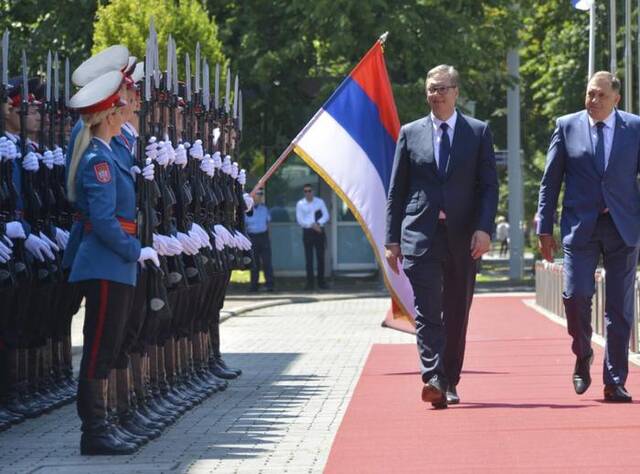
<point x="103" y="142"/>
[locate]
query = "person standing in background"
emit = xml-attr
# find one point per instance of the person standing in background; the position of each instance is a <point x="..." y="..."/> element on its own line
<point x="257" y="225"/>
<point x="312" y="215"/>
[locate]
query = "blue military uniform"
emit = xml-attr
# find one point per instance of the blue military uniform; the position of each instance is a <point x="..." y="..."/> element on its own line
<point x="102" y="245"/>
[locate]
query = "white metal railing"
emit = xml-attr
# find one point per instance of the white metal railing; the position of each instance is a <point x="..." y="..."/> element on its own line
<point x="549" y="288"/>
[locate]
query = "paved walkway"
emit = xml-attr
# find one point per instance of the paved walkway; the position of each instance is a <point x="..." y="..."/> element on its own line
<point x="301" y="364"/>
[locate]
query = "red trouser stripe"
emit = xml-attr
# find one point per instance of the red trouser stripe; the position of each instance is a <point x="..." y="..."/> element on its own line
<point x="102" y="312"/>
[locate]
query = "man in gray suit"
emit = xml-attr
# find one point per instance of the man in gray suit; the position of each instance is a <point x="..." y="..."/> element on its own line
<point x="441" y="207"/>
<point x="596" y="154"/>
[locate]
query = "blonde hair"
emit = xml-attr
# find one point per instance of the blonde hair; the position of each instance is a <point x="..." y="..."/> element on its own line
<point x="89" y="122"/>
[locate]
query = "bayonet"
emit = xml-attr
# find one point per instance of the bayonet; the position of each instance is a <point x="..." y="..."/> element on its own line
<point x="235" y="97"/>
<point x="227" y="96"/>
<point x="197" y="84"/>
<point x="67" y="83"/>
<point x="240" y="111"/>
<point x="187" y="79"/>
<point x="48" y="78"/>
<point x="5" y="58"/>
<point x="216" y="89"/>
<point x="169" y="64"/>
<point x="205" y="88"/>
<point x="56" y="78"/>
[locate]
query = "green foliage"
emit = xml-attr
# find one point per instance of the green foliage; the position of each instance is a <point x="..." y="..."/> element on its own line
<point x="41" y="25"/>
<point x="292" y="54"/>
<point x="127" y="22"/>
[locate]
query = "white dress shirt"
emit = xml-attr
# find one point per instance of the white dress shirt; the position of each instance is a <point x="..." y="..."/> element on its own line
<point x="306" y="211"/>
<point x="607" y="130"/>
<point x="437" y="133"/>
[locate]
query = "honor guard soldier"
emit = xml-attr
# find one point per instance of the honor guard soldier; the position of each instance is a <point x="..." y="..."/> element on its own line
<point x="104" y="253"/>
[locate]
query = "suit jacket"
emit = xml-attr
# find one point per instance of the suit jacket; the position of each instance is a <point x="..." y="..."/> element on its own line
<point x="571" y="159"/>
<point x="468" y="194"/>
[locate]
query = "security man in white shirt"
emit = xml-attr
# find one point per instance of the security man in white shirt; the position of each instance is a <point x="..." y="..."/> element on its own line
<point x="312" y="215"/>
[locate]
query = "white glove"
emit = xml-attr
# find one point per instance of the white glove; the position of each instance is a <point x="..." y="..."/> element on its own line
<point x="147" y="253"/>
<point x="48" y="159"/>
<point x="30" y="162"/>
<point x="245" y="241"/>
<point x="181" y="155"/>
<point x="216" y="135"/>
<point x="162" y="157"/>
<point x="5" y="253"/>
<point x="207" y="166"/>
<point x="226" y="165"/>
<point x="62" y="237"/>
<point x="242" y="177"/>
<point x="58" y="157"/>
<point x="227" y="238"/>
<point x="8" y="149"/>
<point x="148" y="172"/>
<point x="196" y="150"/>
<point x="174" y="246"/>
<point x="159" y="244"/>
<point x="235" y="170"/>
<point x="203" y="235"/>
<point x="49" y="242"/>
<point x="14" y="230"/>
<point x="217" y="160"/>
<point x="189" y="244"/>
<point x="38" y="248"/>
<point x="171" y="153"/>
<point x="151" y="150"/>
<point x="248" y="201"/>
<point x="218" y="242"/>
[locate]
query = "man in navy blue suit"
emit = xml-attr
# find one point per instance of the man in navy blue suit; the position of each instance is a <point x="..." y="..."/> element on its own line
<point x="441" y="206"/>
<point x="596" y="153"/>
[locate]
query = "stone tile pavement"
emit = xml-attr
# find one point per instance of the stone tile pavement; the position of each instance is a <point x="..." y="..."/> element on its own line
<point x="301" y="364"/>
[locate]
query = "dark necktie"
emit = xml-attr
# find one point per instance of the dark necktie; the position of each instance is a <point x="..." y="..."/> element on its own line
<point x="600" y="148"/>
<point x="445" y="149"/>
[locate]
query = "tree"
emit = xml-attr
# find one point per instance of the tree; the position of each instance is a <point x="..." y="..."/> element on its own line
<point x="38" y="26"/>
<point x="127" y="22"/>
<point x="293" y="53"/>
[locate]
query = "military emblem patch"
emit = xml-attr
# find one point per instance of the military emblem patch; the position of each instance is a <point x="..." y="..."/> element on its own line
<point x="103" y="174"/>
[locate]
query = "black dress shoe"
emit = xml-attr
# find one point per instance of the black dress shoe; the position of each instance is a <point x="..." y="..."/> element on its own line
<point x="616" y="394"/>
<point x="452" y="395"/>
<point x="434" y="392"/>
<point x="581" y="375"/>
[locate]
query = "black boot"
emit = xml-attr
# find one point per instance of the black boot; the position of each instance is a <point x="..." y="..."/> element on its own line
<point x="97" y="435"/>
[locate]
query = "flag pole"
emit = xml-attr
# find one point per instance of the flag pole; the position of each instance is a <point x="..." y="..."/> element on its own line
<point x="612" y="36"/>
<point x="592" y="38"/>
<point x="628" y="73"/>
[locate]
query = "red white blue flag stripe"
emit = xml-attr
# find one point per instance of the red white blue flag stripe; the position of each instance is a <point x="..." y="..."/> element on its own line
<point x="350" y="143"/>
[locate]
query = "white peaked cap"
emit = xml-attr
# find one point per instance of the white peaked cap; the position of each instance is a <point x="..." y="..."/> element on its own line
<point x="100" y="94"/>
<point x="138" y="73"/>
<point x="114" y="58"/>
<point x="131" y="65"/>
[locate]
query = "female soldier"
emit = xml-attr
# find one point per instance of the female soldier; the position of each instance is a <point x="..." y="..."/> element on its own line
<point x="104" y="260"/>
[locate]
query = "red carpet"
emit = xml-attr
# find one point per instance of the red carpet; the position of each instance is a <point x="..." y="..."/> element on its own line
<point x="518" y="412"/>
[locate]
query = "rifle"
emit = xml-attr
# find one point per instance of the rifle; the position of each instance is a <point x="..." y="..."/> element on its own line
<point x="157" y="302"/>
<point x="44" y="271"/>
<point x="7" y="270"/>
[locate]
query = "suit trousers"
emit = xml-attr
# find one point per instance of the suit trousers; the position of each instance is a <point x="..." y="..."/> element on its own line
<point x="580" y="262"/>
<point x="261" y="246"/>
<point x="443" y="280"/>
<point x="313" y="240"/>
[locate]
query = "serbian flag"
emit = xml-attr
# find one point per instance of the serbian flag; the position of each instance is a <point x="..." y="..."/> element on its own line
<point x="350" y="143"/>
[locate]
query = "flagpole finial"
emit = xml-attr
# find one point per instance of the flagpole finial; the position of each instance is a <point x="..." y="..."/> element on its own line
<point x="383" y="37"/>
